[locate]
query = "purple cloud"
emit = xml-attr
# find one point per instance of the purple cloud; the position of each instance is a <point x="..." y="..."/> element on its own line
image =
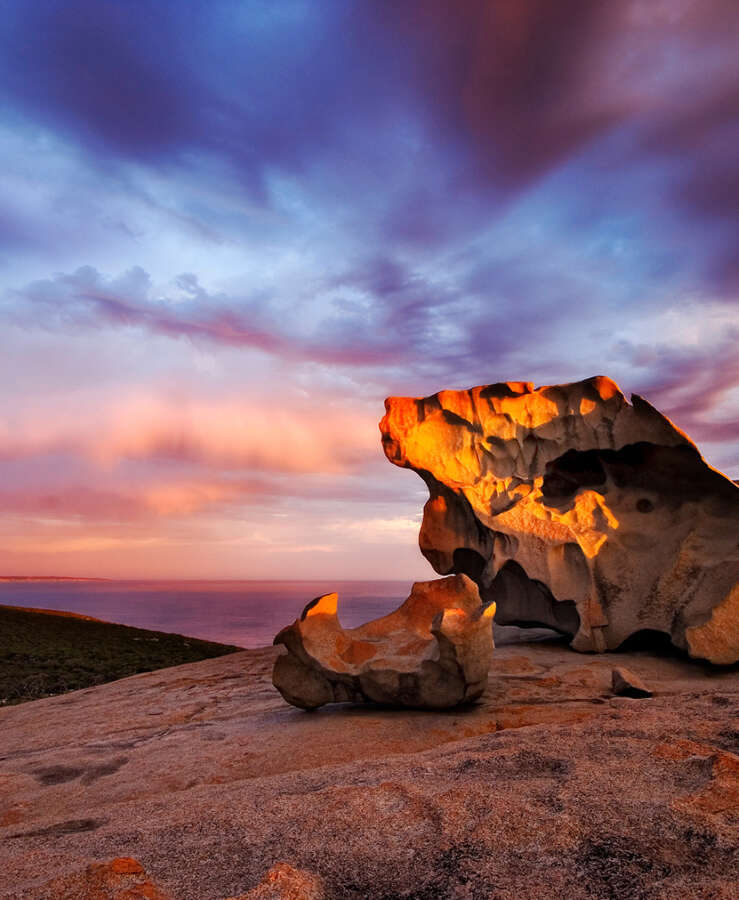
<point x="85" y="298"/>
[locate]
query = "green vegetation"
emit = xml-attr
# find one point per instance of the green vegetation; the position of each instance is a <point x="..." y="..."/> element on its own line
<point x="44" y="653"/>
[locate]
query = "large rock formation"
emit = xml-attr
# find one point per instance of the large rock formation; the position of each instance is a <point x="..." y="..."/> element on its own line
<point x="573" y="509"/>
<point x="433" y="652"/>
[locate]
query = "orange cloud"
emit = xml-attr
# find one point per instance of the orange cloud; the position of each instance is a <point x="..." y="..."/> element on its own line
<point x="233" y="432"/>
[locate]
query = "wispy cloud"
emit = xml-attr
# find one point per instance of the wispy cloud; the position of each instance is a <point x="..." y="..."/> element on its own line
<point x="87" y="299"/>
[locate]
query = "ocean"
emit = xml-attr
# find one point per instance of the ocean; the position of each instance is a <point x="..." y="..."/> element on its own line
<point x="244" y="613"/>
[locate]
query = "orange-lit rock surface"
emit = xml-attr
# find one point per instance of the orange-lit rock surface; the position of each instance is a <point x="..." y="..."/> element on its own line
<point x="433" y="652"/>
<point x="283" y="882"/>
<point x="125" y="878"/>
<point x="548" y="787"/>
<point x="575" y="509"/>
<point x="122" y="878"/>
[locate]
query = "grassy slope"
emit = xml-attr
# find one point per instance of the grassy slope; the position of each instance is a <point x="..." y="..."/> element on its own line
<point x="43" y="653"/>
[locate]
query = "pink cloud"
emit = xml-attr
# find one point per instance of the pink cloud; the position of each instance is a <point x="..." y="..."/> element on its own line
<point x="231" y="432"/>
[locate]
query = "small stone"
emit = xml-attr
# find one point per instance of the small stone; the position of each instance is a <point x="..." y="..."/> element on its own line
<point x="626" y="684"/>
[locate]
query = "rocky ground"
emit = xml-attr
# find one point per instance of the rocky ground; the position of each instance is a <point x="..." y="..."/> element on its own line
<point x="549" y="787"/>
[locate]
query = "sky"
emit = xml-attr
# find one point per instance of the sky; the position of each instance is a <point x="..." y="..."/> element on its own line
<point x="230" y="228"/>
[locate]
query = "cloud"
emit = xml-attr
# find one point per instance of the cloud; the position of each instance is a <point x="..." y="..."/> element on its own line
<point x="640" y="99"/>
<point x="258" y="85"/>
<point x="98" y="67"/>
<point x="232" y="432"/>
<point x="697" y="386"/>
<point x="511" y="89"/>
<point x="161" y="496"/>
<point x="474" y="318"/>
<point x="375" y="125"/>
<point x="87" y="299"/>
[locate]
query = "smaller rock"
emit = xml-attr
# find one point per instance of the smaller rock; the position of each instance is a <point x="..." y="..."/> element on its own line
<point x="626" y="684"/>
<point x="433" y="652"/>
<point x="283" y="882"/>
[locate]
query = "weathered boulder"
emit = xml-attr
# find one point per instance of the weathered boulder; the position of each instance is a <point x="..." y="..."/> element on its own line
<point x="432" y="652"/>
<point x="574" y="509"/>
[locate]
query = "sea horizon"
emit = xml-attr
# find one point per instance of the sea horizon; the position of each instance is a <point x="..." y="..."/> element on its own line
<point x="244" y="612"/>
<point x="3" y="578"/>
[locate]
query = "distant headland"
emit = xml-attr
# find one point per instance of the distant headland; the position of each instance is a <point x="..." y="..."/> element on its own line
<point x="48" y="578"/>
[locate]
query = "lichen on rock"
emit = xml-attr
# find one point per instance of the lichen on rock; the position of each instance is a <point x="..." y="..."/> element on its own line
<point x="574" y="509"/>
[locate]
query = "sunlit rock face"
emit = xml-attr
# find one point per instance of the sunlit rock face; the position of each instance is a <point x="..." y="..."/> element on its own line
<point x="124" y="878"/>
<point x="433" y="652"/>
<point x="572" y="508"/>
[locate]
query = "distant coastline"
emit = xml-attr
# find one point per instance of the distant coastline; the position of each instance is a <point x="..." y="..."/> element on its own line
<point x="48" y="578"/>
<point x="47" y="652"/>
